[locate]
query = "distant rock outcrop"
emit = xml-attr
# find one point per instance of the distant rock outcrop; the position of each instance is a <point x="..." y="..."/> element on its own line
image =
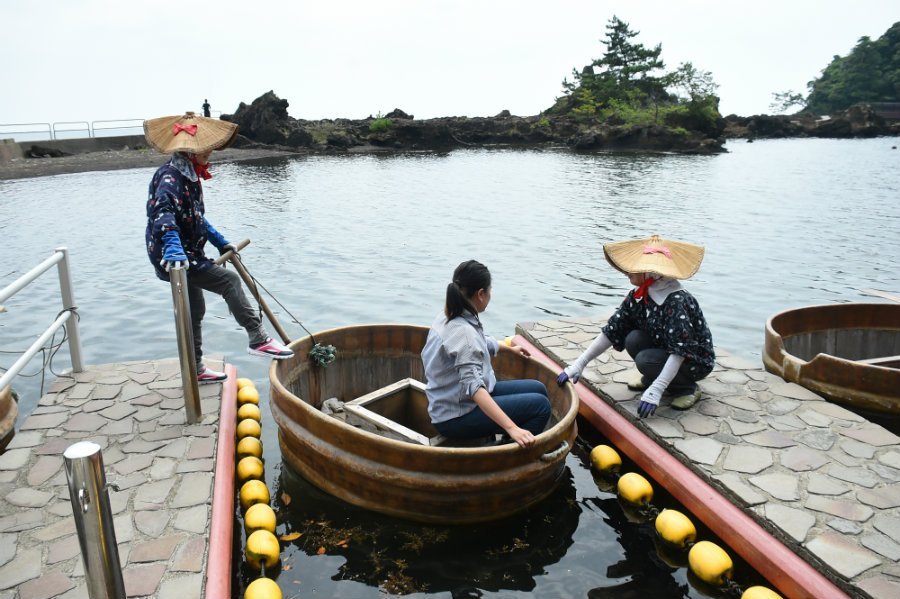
<point x="860" y="120"/>
<point x="266" y="121"/>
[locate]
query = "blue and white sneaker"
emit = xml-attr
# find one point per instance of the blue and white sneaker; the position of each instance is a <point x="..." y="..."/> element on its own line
<point x="270" y="348"/>
<point x="208" y="376"/>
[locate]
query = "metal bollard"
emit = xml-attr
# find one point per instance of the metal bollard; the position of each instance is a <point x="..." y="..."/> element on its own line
<point x="93" y="520"/>
<point x="178" y="278"/>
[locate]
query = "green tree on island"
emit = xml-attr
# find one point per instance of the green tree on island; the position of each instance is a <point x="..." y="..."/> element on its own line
<point x="623" y="88"/>
<point x="870" y="73"/>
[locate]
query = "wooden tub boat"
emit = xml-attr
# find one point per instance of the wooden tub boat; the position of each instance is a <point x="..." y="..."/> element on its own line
<point x="420" y="478"/>
<point x="847" y="353"/>
<point x="9" y="412"/>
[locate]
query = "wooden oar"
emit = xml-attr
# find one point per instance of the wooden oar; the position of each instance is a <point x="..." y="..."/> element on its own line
<point x="230" y="256"/>
<point x="883" y="294"/>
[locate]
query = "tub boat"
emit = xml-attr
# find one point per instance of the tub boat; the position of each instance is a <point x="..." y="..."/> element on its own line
<point x="847" y="353"/>
<point x="9" y="412"/>
<point x="414" y="473"/>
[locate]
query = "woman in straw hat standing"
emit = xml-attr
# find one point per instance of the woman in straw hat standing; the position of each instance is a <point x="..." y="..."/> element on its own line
<point x="177" y="228"/>
<point x="659" y="323"/>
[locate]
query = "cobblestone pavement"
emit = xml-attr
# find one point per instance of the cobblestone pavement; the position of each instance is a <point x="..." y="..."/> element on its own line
<point x="823" y="480"/>
<point x="162" y="466"/>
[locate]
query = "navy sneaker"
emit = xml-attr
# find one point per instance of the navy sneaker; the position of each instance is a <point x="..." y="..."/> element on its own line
<point x="208" y="376"/>
<point x="270" y="348"/>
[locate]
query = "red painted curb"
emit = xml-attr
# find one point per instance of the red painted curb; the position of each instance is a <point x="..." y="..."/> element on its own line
<point x="218" y="565"/>
<point x="790" y="573"/>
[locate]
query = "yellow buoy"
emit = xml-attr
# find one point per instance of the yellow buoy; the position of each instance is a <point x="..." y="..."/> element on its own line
<point x="248" y="428"/>
<point x="605" y="459"/>
<point x="635" y="489"/>
<point x="254" y="491"/>
<point x="262" y="548"/>
<point x="676" y="528"/>
<point x="263" y="588"/>
<point x="260" y="516"/>
<point x="248" y="395"/>
<point x="249" y="446"/>
<point x="249" y="410"/>
<point x="508" y="341"/>
<point x="244" y="382"/>
<point x="758" y="592"/>
<point x="250" y="468"/>
<point x="710" y="563"/>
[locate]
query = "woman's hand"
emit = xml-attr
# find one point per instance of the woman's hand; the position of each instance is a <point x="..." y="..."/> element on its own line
<point x="516" y="349"/>
<point x="521" y="436"/>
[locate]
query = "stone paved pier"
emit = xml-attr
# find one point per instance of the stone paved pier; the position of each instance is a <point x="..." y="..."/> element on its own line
<point x="162" y="466"/>
<point x="823" y="480"/>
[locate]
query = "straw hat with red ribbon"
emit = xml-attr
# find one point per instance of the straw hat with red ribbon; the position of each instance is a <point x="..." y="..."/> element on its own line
<point x="189" y="133"/>
<point x="662" y="257"/>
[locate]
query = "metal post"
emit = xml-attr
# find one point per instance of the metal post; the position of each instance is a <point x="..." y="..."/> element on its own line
<point x="68" y="301"/>
<point x="178" y="278"/>
<point x="93" y="520"/>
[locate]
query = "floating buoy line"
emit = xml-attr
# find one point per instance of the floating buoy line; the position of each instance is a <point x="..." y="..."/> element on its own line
<point x="708" y="561"/>
<point x="262" y="549"/>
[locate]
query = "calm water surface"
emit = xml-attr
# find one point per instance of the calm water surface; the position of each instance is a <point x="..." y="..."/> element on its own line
<point x="365" y="239"/>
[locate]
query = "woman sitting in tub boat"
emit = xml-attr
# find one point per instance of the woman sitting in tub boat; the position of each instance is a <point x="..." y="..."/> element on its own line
<point x="465" y="400"/>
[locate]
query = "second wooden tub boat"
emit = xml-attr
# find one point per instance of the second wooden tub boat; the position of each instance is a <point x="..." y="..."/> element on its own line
<point x="415" y="475"/>
<point x="847" y="353"/>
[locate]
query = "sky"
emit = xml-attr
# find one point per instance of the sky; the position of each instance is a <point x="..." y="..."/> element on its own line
<point x="93" y="60"/>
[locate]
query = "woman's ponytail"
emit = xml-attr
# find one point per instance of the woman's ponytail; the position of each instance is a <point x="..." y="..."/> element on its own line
<point x="468" y="278"/>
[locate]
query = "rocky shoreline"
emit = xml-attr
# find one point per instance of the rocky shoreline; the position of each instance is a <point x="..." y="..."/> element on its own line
<point x="266" y="121"/>
<point x="266" y="130"/>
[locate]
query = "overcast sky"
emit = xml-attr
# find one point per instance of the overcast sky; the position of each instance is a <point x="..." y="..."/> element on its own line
<point x="87" y="60"/>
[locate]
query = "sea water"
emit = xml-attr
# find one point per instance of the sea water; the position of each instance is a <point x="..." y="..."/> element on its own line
<point x="358" y="239"/>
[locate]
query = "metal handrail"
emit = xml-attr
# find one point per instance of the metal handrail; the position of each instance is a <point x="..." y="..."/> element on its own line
<point x="88" y="125"/>
<point x="61" y="257"/>
<point x="47" y="125"/>
<point x="125" y="125"/>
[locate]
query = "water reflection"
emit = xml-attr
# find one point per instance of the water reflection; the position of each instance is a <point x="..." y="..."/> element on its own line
<point x="401" y="557"/>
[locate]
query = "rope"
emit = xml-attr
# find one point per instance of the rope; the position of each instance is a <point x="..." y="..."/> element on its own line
<point x="321" y="354"/>
<point x="52" y="348"/>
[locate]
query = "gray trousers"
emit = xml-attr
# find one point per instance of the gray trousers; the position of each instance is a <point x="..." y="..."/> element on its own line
<point x="226" y="283"/>
<point x="650" y="360"/>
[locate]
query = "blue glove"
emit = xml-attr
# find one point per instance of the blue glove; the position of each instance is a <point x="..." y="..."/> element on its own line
<point x="173" y="253"/>
<point x="563" y="377"/>
<point x="571" y="373"/>
<point x="217" y="239"/>
<point x="650" y="400"/>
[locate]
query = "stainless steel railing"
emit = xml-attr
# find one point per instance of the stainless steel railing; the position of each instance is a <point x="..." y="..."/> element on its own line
<point x="67" y="316"/>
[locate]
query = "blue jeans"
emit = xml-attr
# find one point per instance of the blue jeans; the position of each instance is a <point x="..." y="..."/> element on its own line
<point x="525" y="401"/>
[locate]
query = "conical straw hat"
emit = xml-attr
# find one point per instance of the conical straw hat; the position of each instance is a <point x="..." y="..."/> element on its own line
<point x="169" y="134"/>
<point x="662" y="257"/>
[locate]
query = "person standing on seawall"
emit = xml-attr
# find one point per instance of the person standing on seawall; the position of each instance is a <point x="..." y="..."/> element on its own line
<point x="659" y="323"/>
<point x="206" y="112"/>
<point x="177" y="229"/>
<point x="465" y="400"/>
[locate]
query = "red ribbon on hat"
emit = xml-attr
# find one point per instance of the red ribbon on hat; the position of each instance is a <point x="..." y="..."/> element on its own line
<point x="190" y="129"/>
<point x="650" y="249"/>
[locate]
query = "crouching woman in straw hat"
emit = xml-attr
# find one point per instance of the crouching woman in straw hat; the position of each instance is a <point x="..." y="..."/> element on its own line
<point x="177" y="228"/>
<point x="659" y="323"/>
<point x="465" y="400"/>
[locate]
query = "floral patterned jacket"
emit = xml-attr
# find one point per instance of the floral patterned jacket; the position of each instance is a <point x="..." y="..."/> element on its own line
<point x="678" y="326"/>
<point x="175" y="203"/>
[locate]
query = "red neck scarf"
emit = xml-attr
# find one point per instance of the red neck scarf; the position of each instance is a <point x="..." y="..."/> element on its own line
<point x="641" y="292"/>
<point x="202" y="170"/>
